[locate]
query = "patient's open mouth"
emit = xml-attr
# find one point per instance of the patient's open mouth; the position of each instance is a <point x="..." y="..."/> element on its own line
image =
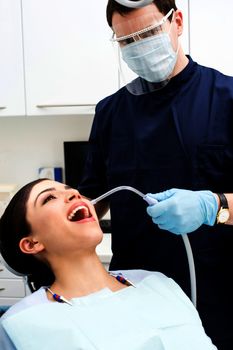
<point x="79" y="213"/>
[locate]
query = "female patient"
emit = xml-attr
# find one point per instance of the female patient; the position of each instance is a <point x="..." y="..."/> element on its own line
<point x="49" y="232"/>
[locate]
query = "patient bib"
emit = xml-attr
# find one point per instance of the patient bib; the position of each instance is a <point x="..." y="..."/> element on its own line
<point x="148" y="317"/>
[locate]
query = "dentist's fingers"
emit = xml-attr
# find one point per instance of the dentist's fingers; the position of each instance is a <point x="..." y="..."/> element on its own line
<point x="161" y="196"/>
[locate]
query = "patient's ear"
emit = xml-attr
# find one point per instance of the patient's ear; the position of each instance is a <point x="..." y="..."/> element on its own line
<point x="29" y="245"/>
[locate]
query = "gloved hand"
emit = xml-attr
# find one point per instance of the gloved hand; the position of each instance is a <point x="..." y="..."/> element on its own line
<point x="183" y="211"/>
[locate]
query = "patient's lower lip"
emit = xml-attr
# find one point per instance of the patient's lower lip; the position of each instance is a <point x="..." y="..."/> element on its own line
<point x="85" y="220"/>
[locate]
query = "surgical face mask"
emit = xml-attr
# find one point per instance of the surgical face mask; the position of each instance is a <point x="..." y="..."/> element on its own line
<point x="153" y="58"/>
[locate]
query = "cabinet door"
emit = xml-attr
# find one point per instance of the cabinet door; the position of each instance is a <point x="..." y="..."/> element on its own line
<point x="210" y="33"/>
<point x="69" y="59"/>
<point x="11" y="59"/>
<point x="182" y="5"/>
<point x="12" y="288"/>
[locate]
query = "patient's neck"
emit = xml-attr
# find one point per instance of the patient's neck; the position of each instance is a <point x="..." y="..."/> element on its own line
<point x="81" y="276"/>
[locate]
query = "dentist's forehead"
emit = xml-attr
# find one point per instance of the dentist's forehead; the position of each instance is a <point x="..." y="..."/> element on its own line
<point x="135" y="20"/>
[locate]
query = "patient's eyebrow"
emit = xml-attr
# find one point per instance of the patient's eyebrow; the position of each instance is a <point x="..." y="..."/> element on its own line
<point x="66" y="187"/>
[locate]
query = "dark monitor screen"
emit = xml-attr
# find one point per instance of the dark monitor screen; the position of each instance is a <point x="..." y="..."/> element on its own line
<point x="75" y="153"/>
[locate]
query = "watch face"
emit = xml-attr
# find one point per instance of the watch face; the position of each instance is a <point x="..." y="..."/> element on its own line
<point x="223" y="216"/>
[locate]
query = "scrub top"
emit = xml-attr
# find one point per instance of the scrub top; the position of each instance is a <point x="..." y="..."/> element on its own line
<point x="176" y="137"/>
<point x="153" y="315"/>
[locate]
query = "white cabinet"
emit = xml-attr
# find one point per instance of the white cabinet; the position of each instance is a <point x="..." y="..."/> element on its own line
<point x="12" y="287"/>
<point x="210" y="34"/>
<point x="12" y="100"/>
<point x="69" y="59"/>
<point x="56" y="57"/>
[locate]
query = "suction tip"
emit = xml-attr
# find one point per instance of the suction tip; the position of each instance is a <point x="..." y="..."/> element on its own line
<point x="150" y="200"/>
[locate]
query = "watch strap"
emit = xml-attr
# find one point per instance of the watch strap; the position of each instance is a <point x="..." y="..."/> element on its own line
<point x="223" y="201"/>
<point x="223" y="212"/>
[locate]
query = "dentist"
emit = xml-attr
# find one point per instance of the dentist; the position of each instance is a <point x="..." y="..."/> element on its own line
<point x="168" y="132"/>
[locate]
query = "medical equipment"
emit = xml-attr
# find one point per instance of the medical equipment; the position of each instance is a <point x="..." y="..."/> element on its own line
<point x="152" y="201"/>
<point x="134" y="3"/>
<point x="152" y="30"/>
<point x="147" y="198"/>
<point x="145" y="54"/>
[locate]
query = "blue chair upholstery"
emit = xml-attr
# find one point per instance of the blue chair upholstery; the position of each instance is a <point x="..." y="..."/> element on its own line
<point x="3" y="308"/>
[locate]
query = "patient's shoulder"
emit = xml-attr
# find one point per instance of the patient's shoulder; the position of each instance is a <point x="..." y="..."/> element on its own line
<point x="161" y="281"/>
<point x="35" y="298"/>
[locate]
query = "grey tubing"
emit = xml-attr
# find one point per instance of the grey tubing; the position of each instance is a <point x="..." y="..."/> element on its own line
<point x="134" y="3"/>
<point x="191" y="269"/>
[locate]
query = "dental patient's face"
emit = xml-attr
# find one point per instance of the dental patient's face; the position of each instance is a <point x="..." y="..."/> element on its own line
<point x="61" y="218"/>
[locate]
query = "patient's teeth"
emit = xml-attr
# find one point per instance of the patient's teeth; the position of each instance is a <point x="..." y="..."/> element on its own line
<point x="72" y="214"/>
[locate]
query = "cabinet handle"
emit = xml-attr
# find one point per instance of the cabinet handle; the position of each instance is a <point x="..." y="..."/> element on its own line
<point x="66" y="105"/>
<point x="1" y="289"/>
<point x="2" y="107"/>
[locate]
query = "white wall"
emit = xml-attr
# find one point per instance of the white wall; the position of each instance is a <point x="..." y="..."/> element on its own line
<point x="28" y="143"/>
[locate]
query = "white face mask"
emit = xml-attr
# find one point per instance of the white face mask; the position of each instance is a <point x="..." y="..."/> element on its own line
<point x="153" y="58"/>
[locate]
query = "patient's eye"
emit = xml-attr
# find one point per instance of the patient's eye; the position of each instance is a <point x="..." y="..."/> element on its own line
<point x="48" y="198"/>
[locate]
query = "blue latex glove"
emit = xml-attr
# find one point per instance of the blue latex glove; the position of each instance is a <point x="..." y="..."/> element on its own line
<point x="183" y="211"/>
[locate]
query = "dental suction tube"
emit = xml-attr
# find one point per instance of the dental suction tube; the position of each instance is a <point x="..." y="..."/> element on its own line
<point x="151" y="201"/>
<point x="148" y="199"/>
<point x="134" y="3"/>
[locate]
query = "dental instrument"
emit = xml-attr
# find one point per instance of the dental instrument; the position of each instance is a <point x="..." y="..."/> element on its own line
<point x="152" y="201"/>
<point x="134" y="3"/>
<point x="147" y="198"/>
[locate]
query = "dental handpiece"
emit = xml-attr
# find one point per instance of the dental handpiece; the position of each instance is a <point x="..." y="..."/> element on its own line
<point x="146" y="197"/>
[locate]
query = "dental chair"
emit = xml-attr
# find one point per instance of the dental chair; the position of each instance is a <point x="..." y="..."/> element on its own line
<point x="3" y="308"/>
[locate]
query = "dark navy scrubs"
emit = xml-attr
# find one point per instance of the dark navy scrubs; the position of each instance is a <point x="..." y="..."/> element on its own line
<point x="180" y="136"/>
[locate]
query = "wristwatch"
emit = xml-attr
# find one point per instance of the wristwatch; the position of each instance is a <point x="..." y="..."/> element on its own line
<point x="223" y="213"/>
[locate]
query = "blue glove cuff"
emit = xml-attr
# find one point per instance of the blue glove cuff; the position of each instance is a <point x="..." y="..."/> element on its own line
<point x="209" y="204"/>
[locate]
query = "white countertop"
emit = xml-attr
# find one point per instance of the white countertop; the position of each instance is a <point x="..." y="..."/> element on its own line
<point x="104" y="248"/>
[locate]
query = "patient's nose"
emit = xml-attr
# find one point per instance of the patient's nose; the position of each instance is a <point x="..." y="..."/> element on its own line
<point x="72" y="195"/>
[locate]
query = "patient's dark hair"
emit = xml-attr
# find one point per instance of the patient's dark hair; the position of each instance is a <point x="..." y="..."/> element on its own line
<point x="164" y="6"/>
<point x="13" y="227"/>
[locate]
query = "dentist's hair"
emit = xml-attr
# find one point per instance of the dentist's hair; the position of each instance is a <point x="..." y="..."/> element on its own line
<point x="164" y="6"/>
<point x="13" y="227"/>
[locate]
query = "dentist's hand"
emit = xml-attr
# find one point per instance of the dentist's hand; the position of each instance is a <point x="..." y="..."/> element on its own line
<point x="183" y="211"/>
